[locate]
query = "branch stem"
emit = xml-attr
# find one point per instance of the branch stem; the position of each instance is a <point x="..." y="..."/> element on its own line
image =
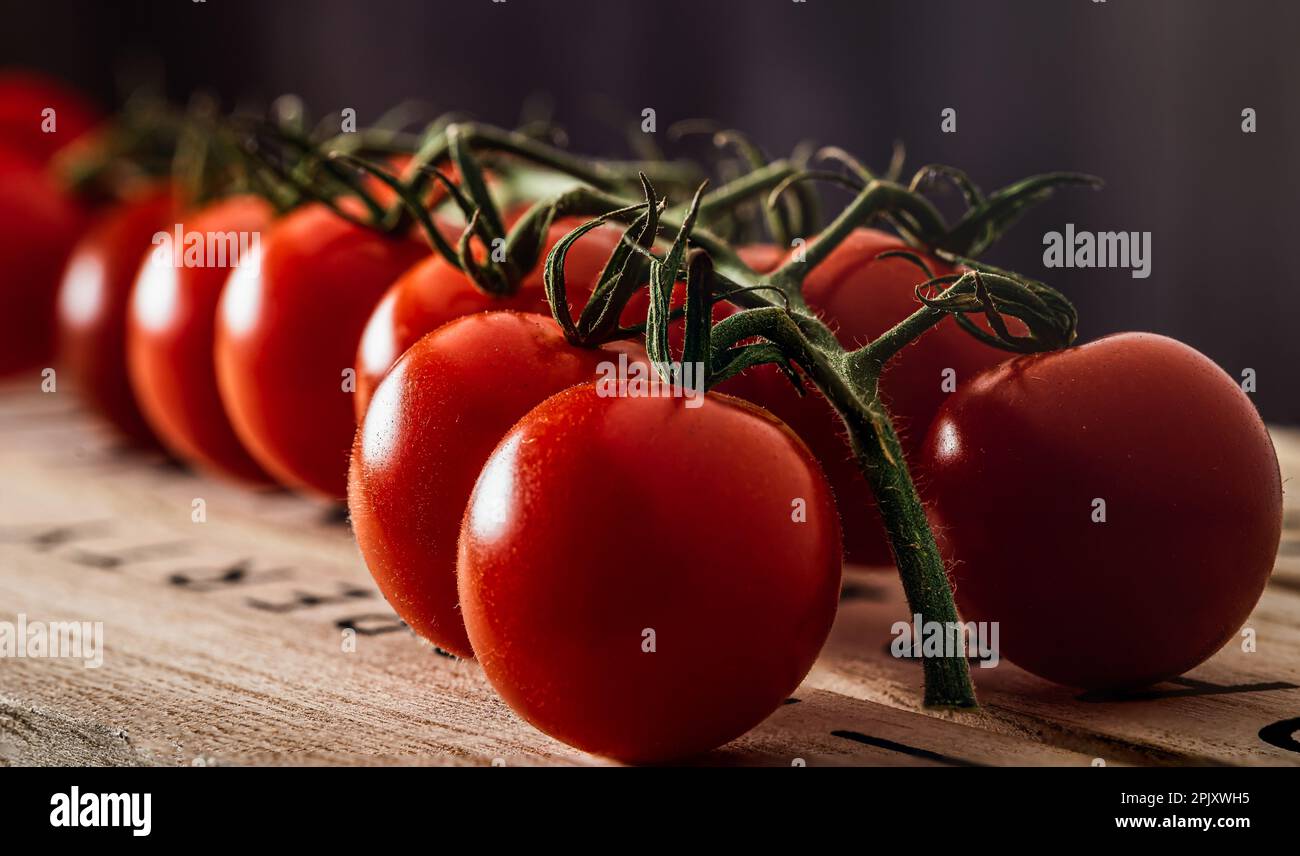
<point x="849" y="382"/>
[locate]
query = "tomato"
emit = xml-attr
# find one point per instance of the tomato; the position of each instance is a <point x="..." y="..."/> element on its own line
<point x="39" y="225"/>
<point x="1019" y="459"/>
<point x="763" y="258"/>
<point x="92" y="304"/>
<point x="170" y="332"/>
<point x="434" y="292"/>
<point x="288" y="323"/>
<point x="24" y="96"/>
<point x="433" y="421"/>
<point x="632" y="575"/>
<point x="860" y="297"/>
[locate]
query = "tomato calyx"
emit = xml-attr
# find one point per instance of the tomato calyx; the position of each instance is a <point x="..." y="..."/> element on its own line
<point x="632" y="263"/>
<point x="621" y="276"/>
<point x="196" y="148"/>
<point x="410" y="202"/>
<point x="664" y="274"/>
<point x="136" y="148"/>
<point x="300" y="170"/>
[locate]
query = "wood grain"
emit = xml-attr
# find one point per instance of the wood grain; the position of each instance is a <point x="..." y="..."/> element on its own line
<point x="224" y="645"/>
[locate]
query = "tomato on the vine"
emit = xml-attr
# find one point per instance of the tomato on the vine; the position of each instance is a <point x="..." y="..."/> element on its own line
<point x="434" y="292"/>
<point x="288" y="323"/>
<point x="861" y="296"/>
<point x="432" y="423"/>
<point x="92" y="304"/>
<point x="644" y="580"/>
<point x="1115" y="507"/>
<point x="171" y="327"/>
<point x="39" y="225"/>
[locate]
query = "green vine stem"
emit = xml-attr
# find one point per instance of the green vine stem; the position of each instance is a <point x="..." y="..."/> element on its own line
<point x="775" y="312"/>
<point x="137" y="145"/>
<point x="604" y="175"/>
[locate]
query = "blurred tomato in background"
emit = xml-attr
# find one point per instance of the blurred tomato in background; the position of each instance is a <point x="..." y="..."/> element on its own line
<point x="39" y="219"/>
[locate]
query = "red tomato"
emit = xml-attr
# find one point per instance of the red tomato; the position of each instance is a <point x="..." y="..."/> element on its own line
<point x="860" y="297"/>
<point x="1017" y="462"/>
<point x="609" y="603"/>
<point x="763" y="258"/>
<point x="24" y="125"/>
<point x="92" y="304"/>
<point x="434" y="292"/>
<point x="288" y="324"/>
<point x="170" y="334"/>
<point x="39" y="225"/>
<point x="433" y="422"/>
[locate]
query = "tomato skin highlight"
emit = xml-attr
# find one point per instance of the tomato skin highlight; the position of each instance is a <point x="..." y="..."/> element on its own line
<point x="39" y="225"/>
<point x="861" y="296"/>
<point x="1193" y="515"/>
<point x="92" y="305"/>
<point x="597" y="519"/>
<point x="288" y="323"/>
<point x="433" y="422"/>
<point x="171" y="330"/>
<point x="434" y="292"/>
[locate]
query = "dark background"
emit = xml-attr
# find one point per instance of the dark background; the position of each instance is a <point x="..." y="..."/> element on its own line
<point x="1146" y="94"/>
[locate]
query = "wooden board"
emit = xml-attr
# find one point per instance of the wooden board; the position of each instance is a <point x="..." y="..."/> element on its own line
<point x="224" y="644"/>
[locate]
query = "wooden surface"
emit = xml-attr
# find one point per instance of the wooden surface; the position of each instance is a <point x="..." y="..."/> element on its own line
<point x="224" y="645"/>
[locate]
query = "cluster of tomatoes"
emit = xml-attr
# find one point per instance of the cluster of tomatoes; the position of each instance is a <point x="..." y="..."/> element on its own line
<point x="641" y="579"/>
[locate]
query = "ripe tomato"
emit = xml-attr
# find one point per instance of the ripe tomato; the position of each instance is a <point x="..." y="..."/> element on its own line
<point x="433" y="421"/>
<point x="1019" y="459"/>
<point x="170" y="332"/>
<point x="39" y="225"/>
<point x="860" y="297"/>
<point x="606" y="601"/>
<point x="24" y="96"/>
<point x="763" y="258"/>
<point x="92" y="304"/>
<point x="434" y="292"/>
<point x="288" y="323"/>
